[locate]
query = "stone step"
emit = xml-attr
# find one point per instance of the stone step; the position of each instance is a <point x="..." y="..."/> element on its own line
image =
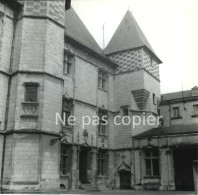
<point x="89" y="187"/>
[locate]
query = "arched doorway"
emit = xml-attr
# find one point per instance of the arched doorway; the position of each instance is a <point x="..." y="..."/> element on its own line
<point x="125" y="179"/>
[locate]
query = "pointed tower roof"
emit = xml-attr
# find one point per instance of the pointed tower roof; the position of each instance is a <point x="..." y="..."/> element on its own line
<point x="78" y="31"/>
<point x="128" y="36"/>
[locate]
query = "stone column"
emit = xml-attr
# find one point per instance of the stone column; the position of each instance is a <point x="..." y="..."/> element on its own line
<point x="75" y="168"/>
<point x="167" y="170"/>
<point x="94" y="166"/>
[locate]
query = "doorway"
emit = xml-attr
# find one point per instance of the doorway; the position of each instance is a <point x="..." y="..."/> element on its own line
<point x="125" y="180"/>
<point x="83" y="165"/>
<point x="183" y="160"/>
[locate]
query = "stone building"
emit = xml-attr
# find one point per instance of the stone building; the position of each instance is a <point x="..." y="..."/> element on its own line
<point x="164" y="155"/>
<point x="50" y="64"/>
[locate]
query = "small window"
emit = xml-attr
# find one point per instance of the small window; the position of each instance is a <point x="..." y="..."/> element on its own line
<point x="154" y="99"/>
<point x="102" y="162"/>
<point x="102" y="80"/>
<point x="158" y="112"/>
<point x="65" y="159"/>
<point x="195" y="109"/>
<point x="125" y="111"/>
<point x="151" y="163"/>
<point x="102" y="125"/>
<point x="176" y="113"/>
<point x="68" y="64"/>
<point x="67" y="109"/>
<point x="31" y="92"/>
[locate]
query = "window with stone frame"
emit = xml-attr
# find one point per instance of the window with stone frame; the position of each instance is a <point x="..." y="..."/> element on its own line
<point x="195" y="109"/>
<point x="102" y="162"/>
<point x="68" y="63"/>
<point x="102" y="127"/>
<point x="176" y="112"/>
<point x="151" y="158"/>
<point x="31" y="92"/>
<point x="65" y="160"/>
<point x="102" y="80"/>
<point x="67" y="110"/>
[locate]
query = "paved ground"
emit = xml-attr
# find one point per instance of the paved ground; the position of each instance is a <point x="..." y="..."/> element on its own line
<point x="113" y="192"/>
<point x="135" y="192"/>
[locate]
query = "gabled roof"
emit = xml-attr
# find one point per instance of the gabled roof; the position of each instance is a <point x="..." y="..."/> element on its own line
<point x="128" y="36"/>
<point x="13" y="4"/>
<point x="173" y="130"/>
<point x="76" y="30"/>
<point x="178" y="95"/>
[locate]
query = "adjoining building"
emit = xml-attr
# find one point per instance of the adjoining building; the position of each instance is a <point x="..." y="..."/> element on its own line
<point x="49" y="64"/>
<point x="164" y="155"/>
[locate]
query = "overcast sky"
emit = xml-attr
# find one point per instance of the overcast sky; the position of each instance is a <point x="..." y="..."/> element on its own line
<point x="171" y="26"/>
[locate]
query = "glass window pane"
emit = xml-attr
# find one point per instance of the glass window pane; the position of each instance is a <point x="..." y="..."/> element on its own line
<point x="155" y="167"/>
<point x="148" y="167"/>
<point x="147" y="153"/>
<point x="31" y="94"/>
<point x="155" y="153"/>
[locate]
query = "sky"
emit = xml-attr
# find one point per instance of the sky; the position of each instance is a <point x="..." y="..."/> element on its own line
<point x="171" y="27"/>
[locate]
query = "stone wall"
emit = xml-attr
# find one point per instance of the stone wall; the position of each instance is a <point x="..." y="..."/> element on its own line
<point x="1" y="151"/>
<point x="6" y="38"/>
<point x="3" y="97"/>
<point x="186" y="113"/>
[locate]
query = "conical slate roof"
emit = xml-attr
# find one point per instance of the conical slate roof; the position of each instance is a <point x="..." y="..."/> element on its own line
<point x="128" y="36"/>
<point x="78" y="31"/>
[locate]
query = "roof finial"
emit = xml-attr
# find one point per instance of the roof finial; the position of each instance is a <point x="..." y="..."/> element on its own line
<point x="103" y="28"/>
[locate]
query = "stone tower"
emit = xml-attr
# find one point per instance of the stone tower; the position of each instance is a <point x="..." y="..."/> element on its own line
<point x="36" y="71"/>
<point x="137" y="76"/>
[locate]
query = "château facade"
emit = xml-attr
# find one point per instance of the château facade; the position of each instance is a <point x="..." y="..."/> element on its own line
<point x="49" y="64"/>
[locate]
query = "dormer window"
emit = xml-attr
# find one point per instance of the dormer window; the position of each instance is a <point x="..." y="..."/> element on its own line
<point x="31" y="92"/>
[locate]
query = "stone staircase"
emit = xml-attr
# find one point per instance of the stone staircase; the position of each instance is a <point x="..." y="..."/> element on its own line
<point x="89" y="187"/>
